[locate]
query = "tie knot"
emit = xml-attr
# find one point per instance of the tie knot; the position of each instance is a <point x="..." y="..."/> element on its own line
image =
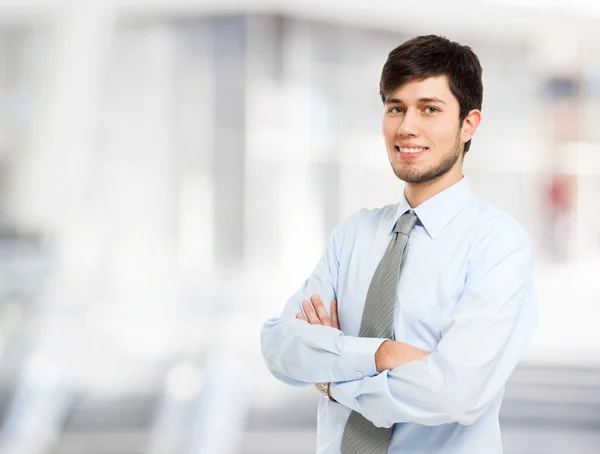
<point x="405" y="223"/>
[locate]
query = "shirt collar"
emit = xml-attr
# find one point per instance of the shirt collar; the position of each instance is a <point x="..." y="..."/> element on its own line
<point x="438" y="210"/>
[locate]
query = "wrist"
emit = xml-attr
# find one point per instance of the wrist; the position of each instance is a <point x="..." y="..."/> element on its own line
<point x="329" y="393"/>
<point x="325" y="389"/>
<point x="381" y="356"/>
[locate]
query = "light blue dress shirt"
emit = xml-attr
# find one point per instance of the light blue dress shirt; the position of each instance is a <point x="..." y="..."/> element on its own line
<point x="465" y="293"/>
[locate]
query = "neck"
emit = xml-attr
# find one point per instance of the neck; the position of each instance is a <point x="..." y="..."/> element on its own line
<point x="417" y="193"/>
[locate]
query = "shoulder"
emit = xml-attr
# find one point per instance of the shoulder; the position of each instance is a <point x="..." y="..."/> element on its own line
<point x="367" y="220"/>
<point x="495" y="231"/>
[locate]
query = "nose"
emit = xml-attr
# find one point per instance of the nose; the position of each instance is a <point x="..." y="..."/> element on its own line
<point x="409" y="124"/>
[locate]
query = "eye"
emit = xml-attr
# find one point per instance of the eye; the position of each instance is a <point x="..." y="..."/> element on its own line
<point x="395" y="110"/>
<point x="431" y="109"/>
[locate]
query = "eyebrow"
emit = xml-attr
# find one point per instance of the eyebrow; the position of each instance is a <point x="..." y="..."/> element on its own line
<point x="420" y="101"/>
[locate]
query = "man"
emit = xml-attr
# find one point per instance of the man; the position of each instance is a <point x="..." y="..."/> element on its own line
<point x="432" y="300"/>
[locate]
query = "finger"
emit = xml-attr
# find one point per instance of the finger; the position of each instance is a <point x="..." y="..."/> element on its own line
<point x="335" y="322"/>
<point x="300" y="316"/>
<point x="320" y="310"/>
<point x="310" y="313"/>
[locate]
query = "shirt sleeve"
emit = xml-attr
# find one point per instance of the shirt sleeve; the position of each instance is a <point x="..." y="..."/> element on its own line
<point x="481" y="344"/>
<point x="298" y="353"/>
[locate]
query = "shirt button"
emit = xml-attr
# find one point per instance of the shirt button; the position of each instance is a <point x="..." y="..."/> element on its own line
<point x="359" y="374"/>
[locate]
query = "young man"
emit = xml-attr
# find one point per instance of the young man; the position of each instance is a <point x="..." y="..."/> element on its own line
<point x="432" y="300"/>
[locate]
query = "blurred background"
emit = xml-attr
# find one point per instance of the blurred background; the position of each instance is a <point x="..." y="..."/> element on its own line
<point x="171" y="170"/>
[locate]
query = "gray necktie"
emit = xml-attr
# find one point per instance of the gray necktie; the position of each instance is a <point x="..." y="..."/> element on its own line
<point x="360" y="435"/>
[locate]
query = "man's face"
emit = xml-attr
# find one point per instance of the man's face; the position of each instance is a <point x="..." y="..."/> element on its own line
<point x="422" y="132"/>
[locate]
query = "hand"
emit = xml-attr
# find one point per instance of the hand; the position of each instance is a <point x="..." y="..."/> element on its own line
<point x="392" y="354"/>
<point x="316" y="314"/>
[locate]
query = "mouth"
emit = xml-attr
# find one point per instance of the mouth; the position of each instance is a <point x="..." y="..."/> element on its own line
<point x="410" y="152"/>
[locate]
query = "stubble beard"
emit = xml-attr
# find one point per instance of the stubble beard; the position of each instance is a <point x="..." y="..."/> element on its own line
<point x="410" y="174"/>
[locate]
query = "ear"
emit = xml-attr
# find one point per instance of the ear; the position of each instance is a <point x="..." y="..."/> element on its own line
<point x="470" y="124"/>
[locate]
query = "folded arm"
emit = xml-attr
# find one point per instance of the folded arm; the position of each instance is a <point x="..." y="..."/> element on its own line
<point x="299" y="353"/>
<point x="481" y="344"/>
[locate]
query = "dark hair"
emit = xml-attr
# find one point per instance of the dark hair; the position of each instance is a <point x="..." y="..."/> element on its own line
<point x="429" y="56"/>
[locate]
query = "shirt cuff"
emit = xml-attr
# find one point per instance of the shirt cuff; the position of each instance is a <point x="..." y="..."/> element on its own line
<point x="361" y="360"/>
<point x="344" y="393"/>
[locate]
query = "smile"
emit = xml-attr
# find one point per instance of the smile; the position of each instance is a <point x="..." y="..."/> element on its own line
<point x="410" y="150"/>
